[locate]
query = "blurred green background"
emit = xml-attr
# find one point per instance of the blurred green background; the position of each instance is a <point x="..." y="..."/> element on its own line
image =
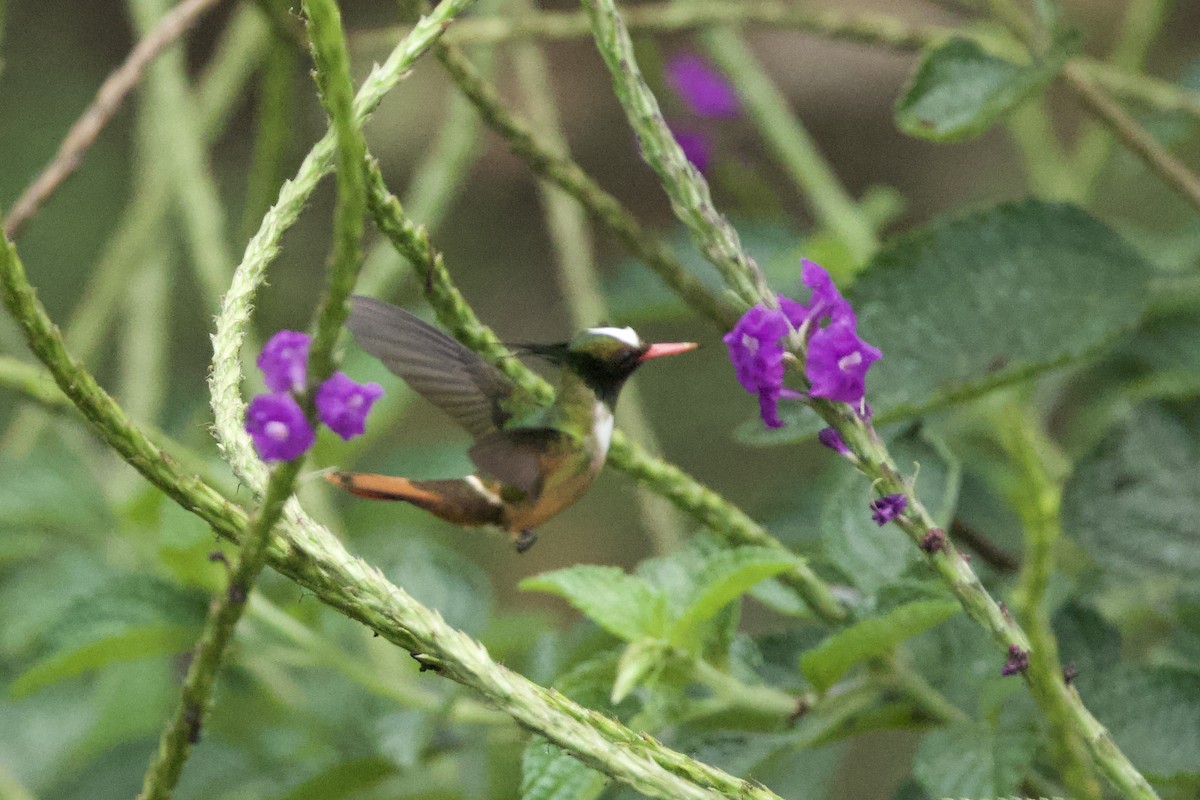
<point x="80" y="530"/>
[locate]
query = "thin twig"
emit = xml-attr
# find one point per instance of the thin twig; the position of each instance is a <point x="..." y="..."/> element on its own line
<point x="108" y="99"/>
<point x="988" y="551"/>
<point x="1160" y="160"/>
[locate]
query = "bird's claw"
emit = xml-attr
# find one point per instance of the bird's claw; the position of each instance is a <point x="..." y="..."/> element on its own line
<point x="524" y="540"/>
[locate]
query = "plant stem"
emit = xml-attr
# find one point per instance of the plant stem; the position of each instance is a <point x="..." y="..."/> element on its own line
<point x="1160" y="161"/>
<point x="866" y="27"/>
<point x="571" y="239"/>
<point x="792" y="145"/>
<point x="97" y="115"/>
<point x="1036" y="496"/>
<point x="276" y="99"/>
<point x="685" y="186"/>
<point x="563" y="172"/>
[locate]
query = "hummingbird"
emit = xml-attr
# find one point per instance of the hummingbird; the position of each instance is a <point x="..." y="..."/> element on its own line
<point x="532" y="460"/>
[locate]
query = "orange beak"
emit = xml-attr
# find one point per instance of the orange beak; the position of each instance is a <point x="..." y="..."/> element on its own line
<point x="667" y="349"/>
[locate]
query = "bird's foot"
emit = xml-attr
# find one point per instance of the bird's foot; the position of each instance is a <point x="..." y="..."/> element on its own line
<point x="524" y="540"/>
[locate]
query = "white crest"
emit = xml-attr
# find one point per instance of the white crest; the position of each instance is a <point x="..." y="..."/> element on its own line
<point x="627" y="335"/>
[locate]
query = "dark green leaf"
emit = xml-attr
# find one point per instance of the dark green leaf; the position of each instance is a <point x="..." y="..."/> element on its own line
<point x="959" y="91"/>
<point x="973" y="760"/>
<point x="342" y="779"/>
<point x="965" y="305"/>
<point x="1153" y="713"/>
<point x="624" y="605"/>
<point x="438" y="577"/>
<point x="549" y="773"/>
<point x="1132" y="503"/>
<point x="51" y="490"/>
<point x="830" y="660"/>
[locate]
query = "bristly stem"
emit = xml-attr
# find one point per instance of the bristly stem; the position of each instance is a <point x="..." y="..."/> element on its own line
<point x="792" y="145"/>
<point x="565" y="173"/>
<point x="93" y="120"/>
<point x="683" y="183"/>
<point x="333" y="78"/>
<point x="572" y="241"/>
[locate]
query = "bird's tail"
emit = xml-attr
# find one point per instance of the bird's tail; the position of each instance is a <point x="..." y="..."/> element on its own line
<point x="460" y="500"/>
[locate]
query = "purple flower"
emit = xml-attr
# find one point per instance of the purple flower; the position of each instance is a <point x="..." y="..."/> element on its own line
<point x="888" y="507"/>
<point x="757" y="357"/>
<point x="696" y="146"/>
<point x="1018" y="661"/>
<point x="837" y="363"/>
<point x="833" y="440"/>
<point x="343" y="404"/>
<point x="704" y="90"/>
<point x="277" y="425"/>
<point x="284" y="361"/>
<point x="826" y="300"/>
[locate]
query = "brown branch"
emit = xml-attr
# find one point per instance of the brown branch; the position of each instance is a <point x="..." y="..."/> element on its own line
<point x="1160" y="160"/>
<point x="97" y="115"/>
<point x="988" y="551"/>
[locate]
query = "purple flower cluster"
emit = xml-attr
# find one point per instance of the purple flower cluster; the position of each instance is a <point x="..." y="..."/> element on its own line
<point x="837" y="359"/>
<point x="276" y="422"/>
<point x="1017" y="661"/>
<point x="888" y="507"/>
<point x="706" y="95"/>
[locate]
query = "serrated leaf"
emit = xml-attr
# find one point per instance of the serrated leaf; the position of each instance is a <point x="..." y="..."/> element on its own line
<point x="624" y="605"/>
<point x="724" y="577"/>
<point x="550" y="773"/>
<point x="1153" y="714"/>
<point x="1132" y="503"/>
<point x="964" y="305"/>
<point x="125" y="603"/>
<point x="959" y="91"/>
<point x="824" y="664"/>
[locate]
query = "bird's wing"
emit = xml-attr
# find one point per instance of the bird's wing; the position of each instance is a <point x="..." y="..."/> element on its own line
<point x="521" y="457"/>
<point x="437" y="367"/>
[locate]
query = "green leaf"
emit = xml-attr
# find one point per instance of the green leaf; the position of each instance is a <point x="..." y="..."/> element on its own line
<point x="1132" y="503"/>
<point x="830" y="660"/>
<point x="959" y="91"/>
<point x="343" y="779"/>
<point x="641" y="659"/>
<point x="436" y="576"/>
<point x="624" y="605"/>
<point x="1153" y="714"/>
<point x="550" y="773"/>
<point x="51" y="490"/>
<point x="725" y="576"/>
<point x="129" y="645"/>
<point x="974" y="760"/>
<point x="965" y="305"/>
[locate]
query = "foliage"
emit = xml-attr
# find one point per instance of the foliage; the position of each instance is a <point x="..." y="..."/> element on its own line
<point x="1035" y="408"/>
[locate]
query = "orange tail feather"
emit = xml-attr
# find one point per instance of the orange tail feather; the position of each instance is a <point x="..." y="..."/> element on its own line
<point x="383" y="487"/>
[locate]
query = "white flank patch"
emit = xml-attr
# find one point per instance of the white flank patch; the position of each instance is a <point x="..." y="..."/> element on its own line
<point x="627" y="335"/>
<point x="478" y="486"/>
